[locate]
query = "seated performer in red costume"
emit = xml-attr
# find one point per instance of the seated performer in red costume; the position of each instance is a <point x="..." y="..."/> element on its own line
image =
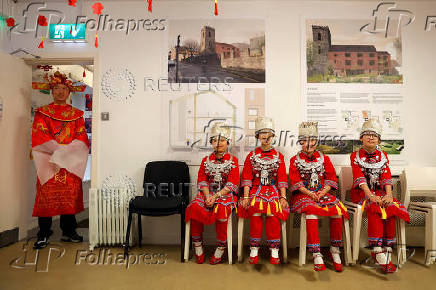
<point x="264" y="180"/>
<point x="312" y="177"/>
<point x="60" y="152"/>
<point x="218" y="181"/>
<point x="372" y="188"/>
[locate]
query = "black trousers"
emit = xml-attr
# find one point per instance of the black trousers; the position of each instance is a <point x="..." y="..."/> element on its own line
<point x="68" y="225"/>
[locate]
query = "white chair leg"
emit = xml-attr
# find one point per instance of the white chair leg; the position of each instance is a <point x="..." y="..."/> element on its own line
<point x="291" y="230"/>
<point x="403" y="241"/>
<point x="399" y="243"/>
<point x="229" y="240"/>
<point x="433" y="235"/>
<point x="240" y="238"/>
<point x="284" y="242"/>
<point x="302" y="254"/>
<point x="187" y="240"/>
<point x="430" y="236"/>
<point x="347" y="244"/>
<point x="357" y="225"/>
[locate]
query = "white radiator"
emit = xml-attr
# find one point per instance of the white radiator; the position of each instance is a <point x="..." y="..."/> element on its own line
<point x="108" y="215"/>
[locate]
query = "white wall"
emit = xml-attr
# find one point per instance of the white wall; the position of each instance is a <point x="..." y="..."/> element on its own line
<point x="15" y="129"/>
<point x="137" y="130"/>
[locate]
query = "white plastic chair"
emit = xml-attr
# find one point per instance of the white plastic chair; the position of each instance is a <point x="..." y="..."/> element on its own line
<point x="303" y="240"/>
<point x="229" y="240"/>
<point x="241" y="244"/>
<point x="355" y="210"/>
<point x="420" y="181"/>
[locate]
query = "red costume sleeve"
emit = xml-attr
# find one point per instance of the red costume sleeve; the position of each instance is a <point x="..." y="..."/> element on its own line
<point x="282" y="178"/>
<point x="233" y="178"/>
<point x="40" y="130"/>
<point x="386" y="176"/>
<point x="330" y="173"/>
<point x="294" y="175"/>
<point x="247" y="172"/>
<point x="358" y="177"/>
<point x="202" y="181"/>
<point x="81" y="131"/>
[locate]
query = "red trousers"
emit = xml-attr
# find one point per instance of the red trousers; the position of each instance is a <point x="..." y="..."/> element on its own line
<point x="380" y="232"/>
<point x="313" y="242"/>
<point x="221" y="232"/>
<point x="272" y="231"/>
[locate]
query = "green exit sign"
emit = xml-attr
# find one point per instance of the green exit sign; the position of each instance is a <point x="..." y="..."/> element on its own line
<point x="67" y="32"/>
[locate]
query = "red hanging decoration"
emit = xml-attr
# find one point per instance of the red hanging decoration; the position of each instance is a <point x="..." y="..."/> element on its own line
<point x="41" y="44"/>
<point x="71" y="29"/>
<point x="84" y="73"/>
<point x="72" y="3"/>
<point x="97" y="8"/>
<point x="10" y="22"/>
<point x="216" y="7"/>
<point x="42" y="20"/>
<point x="150" y="8"/>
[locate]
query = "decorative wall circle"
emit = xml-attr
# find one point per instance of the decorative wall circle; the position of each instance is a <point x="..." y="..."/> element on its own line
<point x="118" y="85"/>
<point x="113" y="182"/>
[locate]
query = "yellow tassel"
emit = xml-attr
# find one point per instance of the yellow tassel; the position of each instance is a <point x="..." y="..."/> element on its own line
<point x="236" y="209"/>
<point x="343" y="207"/>
<point x="216" y="208"/>
<point x="396" y="204"/>
<point x="338" y="209"/>
<point x="261" y="205"/>
<point x="325" y="208"/>
<point x="280" y="207"/>
<point x="363" y="206"/>
<point x="268" y="210"/>
<point x="277" y="206"/>
<point x="253" y="201"/>
<point x="225" y="211"/>
<point x="383" y="213"/>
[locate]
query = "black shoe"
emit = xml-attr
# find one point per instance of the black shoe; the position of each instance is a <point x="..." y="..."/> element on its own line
<point x="41" y="243"/>
<point x="73" y="238"/>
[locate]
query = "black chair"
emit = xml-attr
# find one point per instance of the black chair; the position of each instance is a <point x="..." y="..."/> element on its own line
<point x="166" y="192"/>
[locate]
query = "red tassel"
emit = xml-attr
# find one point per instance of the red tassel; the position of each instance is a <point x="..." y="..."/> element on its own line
<point x="84" y="73"/>
<point x="41" y="44"/>
<point x="96" y="41"/>
<point x="71" y="29"/>
<point x="150" y="8"/>
<point x="216" y="8"/>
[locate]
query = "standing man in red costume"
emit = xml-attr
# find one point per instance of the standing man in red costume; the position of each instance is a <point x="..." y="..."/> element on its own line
<point x="218" y="181"/>
<point x="312" y="177"/>
<point x="264" y="181"/>
<point x="60" y="152"/>
<point x="372" y="188"/>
